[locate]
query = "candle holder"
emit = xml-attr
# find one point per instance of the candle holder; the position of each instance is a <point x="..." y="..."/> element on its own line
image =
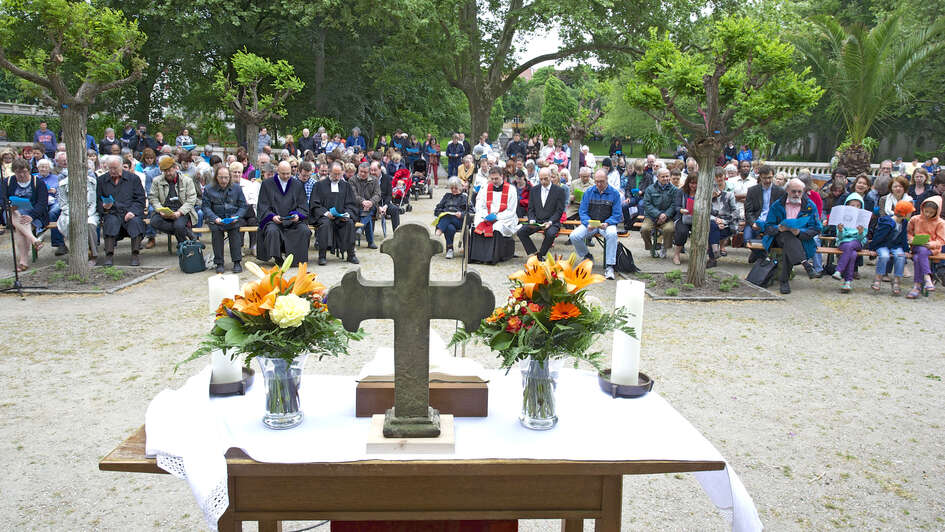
<point x="221" y="389"/>
<point x="643" y="386"/>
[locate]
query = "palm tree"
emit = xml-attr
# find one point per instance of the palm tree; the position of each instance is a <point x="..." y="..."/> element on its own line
<point x="865" y="72"/>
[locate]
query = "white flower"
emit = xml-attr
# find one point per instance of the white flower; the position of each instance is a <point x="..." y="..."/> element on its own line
<point x="289" y="311"/>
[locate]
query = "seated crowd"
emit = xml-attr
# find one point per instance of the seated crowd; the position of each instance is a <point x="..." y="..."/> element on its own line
<point x="337" y="189"/>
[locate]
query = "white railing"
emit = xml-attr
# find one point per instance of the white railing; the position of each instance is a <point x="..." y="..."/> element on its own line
<point x="9" y="108"/>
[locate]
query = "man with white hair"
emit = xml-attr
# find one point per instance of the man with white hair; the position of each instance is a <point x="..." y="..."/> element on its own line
<point x="791" y="225"/>
<point x="105" y="147"/>
<point x="545" y="206"/>
<point x="307" y="142"/>
<point x="120" y="205"/>
<point x="355" y="139"/>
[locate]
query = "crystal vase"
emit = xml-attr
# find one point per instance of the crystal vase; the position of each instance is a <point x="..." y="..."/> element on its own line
<point x="283" y="379"/>
<point x="538" y="393"/>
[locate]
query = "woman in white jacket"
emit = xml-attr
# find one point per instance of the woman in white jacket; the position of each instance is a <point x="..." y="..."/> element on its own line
<point x="91" y="214"/>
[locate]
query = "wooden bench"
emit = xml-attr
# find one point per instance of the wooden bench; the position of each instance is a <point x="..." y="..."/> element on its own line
<point x="836" y="251"/>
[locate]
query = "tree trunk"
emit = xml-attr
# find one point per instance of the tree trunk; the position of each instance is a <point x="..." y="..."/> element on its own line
<point x="142" y="109"/>
<point x="574" y="165"/>
<point x="702" y="207"/>
<point x="74" y="119"/>
<point x="479" y="110"/>
<point x="252" y="138"/>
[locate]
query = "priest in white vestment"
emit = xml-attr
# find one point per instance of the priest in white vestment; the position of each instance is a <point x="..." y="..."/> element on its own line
<point x="495" y="221"/>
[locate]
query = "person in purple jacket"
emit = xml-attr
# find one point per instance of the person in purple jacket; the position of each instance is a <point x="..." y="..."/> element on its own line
<point x="47" y="138"/>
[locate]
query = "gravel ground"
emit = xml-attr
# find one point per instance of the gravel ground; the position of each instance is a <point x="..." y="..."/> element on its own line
<point x="828" y="406"/>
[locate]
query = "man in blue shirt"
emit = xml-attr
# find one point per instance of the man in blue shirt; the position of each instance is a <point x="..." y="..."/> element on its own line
<point x="47" y="138"/>
<point x="356" y="140"/>
<point x="600" y="204"/>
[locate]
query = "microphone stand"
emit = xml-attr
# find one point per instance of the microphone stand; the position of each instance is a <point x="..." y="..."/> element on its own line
<point x="17" y="286"/>
<point x="465" y="265"/>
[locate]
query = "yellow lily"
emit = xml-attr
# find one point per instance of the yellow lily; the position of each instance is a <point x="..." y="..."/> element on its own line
<point x="536" y="273"/>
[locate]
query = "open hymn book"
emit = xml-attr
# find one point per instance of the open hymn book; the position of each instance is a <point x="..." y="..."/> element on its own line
<point x="444" y="368"/>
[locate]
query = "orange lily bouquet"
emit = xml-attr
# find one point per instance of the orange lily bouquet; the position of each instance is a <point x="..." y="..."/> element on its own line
<point x="277" y="318"/>
<point x="547" y="315"/>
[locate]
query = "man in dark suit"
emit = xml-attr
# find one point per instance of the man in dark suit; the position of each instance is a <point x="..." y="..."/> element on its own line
<point x="120" y="204"/>
<point x="334" y="207"/>
<point x="757" y="202"/>
<point x="545" y="207"/>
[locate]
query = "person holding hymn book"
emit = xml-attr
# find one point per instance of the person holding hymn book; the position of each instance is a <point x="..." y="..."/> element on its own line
<point x="174" y="198"/>
<point x="223" y="207"/>
<point x="891" y="238"/>
<point x="792" y="224"/>
<point x="282" y="209"/>
<point x="334" y="207"/>
<point x="449" y="213"/>
<point x="495" y="221"/>
<point x="659" y="208"/>
<point x="850" y="240"/>
<point x="600" y="213"/>
<point x="545" y="208"/>
<point x="120" y="204"/>
<point x="926" y="232"/>
<point x="28" y="197"/>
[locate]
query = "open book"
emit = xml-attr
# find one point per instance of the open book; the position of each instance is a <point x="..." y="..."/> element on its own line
<point x="920" y="240"/>
<point x="443" y="366"/>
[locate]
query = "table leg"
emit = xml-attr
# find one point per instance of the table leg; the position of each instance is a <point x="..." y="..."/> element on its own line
<point x="611" y="504"/>
<point x="227" y="523"/>
<point x="572" y="525"/>
<point x="270" y="526"/>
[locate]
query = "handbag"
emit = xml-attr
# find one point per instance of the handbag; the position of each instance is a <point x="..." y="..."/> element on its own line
<point x="190" y="256"/>
<point x="762" y="272"/>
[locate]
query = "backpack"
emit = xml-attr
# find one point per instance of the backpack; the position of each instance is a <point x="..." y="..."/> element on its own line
<point x="625" y="262"/>
<point x="762" y="272"/>
<point x="190" y="256"/>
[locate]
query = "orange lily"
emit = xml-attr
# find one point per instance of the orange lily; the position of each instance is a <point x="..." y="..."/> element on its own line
<point x="580" y="276"/>
<point x="258" y="297"/>
<point x="563" y="311"/>
<point x="304" y="282"/>
<point x="536" y="273"/>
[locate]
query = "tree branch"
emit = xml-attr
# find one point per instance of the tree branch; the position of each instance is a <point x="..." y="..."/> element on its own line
<point x="671" y="107"/>
<point x="560" y="54"/>
<point x="100" y="88"/>
<point x="505" y="40"/>
<point x="25" y="74"/>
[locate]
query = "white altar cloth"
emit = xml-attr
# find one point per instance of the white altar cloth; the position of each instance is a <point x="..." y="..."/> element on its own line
<point x="189" y="433"/>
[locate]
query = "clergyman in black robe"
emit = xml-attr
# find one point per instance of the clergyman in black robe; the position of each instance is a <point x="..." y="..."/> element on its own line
<point x="334" y="209"/>
<point x="283" y="217"/>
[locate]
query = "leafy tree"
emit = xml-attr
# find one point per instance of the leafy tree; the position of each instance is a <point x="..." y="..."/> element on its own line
<point x="258" y="93"/>
<point x="559" y="106"/>
<point x="66" y="54"/>
<point x="865" y="71"/>
<point x="587" y="113"/>
<point x="743" y="77"/>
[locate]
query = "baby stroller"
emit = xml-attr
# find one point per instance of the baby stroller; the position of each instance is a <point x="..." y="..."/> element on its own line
<point x="401" y="185"/>
<point x="421" y="185"/>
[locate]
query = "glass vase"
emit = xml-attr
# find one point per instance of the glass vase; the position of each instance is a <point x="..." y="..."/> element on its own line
<point x="283" y="379"/>
<point x="539" y="378"/>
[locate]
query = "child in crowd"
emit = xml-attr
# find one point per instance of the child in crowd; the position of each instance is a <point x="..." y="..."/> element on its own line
<point x="927" y="222"/>
<point x="850" y="241"/>
<point x="891" y="238"/>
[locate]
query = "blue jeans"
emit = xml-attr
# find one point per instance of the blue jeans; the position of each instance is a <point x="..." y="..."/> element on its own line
<point x="882" y="260"/>
<point x="450" y="225"/>
<point x="367" y="218"/>
<point x="817" y="260"/>
<point x="749" y="233"/>
<point x="56" y="239"/>
<point x="582" y="232"/>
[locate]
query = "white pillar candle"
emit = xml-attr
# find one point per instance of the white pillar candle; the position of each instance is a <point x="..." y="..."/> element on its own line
<point x="625" y="365"/>
<point x="220" y="287"/>
<point x="224" y="369"/>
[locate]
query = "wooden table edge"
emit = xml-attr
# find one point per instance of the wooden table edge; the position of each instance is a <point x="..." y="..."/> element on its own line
<point x="129" y="456"/>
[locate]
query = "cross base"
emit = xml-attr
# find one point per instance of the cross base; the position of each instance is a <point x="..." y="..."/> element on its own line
<point x="412" y="427"/>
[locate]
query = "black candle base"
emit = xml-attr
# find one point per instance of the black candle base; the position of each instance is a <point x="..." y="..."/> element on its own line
<point x="643" y="386"/>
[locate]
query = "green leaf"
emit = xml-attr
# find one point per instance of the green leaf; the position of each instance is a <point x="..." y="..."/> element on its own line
<point x="501" y="341"/>
<point x="227" y="323"/>
<point x="235" y="337"/>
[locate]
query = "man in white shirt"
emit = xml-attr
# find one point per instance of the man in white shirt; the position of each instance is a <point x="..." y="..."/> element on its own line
<point x="739" y="184"/>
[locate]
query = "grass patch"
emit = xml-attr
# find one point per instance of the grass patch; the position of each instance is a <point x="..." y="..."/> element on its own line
<point x="113" y="273"/>
<point x="934" y="377"/>
<point x="688" y="286"/>
<point x="77" y="278"/>
<point x="56" y="277"/>
<point x="60" y="265"/>
<point x="6" y="283"/>
<point x="644" y="276"/>
<point x="674" y="276"/>
<point x="672" y="292"/>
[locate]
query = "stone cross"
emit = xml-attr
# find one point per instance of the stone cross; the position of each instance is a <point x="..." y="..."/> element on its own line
<point x="411" y="300"/>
